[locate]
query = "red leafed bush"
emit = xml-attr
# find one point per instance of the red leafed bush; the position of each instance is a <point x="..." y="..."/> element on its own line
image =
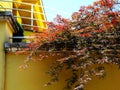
<point x="91" y="35"/>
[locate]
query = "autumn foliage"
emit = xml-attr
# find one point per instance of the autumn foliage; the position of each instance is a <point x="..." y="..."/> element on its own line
<point x="91" y="35"/>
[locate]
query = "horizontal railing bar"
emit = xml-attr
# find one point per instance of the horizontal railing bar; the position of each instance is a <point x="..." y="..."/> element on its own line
<point x="39" y="20"/>
<point x="33" y="26"/>
<point x="22" y="10"/>
<point x="29" y="18"/>
<point x="27" y="11"/>
<point x="23" y="17"/>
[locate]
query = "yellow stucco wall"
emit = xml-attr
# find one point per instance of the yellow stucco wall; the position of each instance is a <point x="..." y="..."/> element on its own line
<point x="2" y="55"/>
<point x="34" y="77"/>
<point x="6" y="31"/>
<point x="110" y="82"/>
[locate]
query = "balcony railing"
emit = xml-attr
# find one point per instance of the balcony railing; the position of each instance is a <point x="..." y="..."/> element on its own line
<point x="27" y="13"/>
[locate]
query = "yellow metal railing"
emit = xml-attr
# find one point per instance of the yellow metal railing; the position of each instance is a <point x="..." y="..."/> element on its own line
<point x="30" y="16"/>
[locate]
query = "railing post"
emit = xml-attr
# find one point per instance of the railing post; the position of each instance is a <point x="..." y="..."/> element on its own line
<point x="32" y="13"/>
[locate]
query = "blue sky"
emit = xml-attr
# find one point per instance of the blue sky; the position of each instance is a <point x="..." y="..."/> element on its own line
<point x="63" y="7"/>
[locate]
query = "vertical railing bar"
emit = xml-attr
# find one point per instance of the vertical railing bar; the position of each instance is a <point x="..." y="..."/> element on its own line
<point x="32" y="12"/>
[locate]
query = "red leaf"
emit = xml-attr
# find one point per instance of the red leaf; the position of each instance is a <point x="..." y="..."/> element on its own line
<point x="85" y="35"/>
